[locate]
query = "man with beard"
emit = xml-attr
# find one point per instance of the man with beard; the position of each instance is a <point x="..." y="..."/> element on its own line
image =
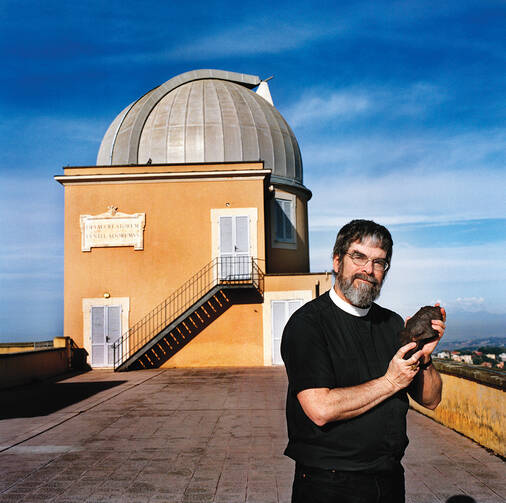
<point x="348" y="381"/>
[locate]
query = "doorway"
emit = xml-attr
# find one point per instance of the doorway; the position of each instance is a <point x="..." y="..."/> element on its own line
<point x="105" y="331"/>
<point x="234" y="252"/>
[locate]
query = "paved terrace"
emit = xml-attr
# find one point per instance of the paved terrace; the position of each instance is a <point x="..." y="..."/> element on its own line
<point x="189" y="435"/>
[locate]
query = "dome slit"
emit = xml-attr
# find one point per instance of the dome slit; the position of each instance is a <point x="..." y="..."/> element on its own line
<point x="231" y="128"/>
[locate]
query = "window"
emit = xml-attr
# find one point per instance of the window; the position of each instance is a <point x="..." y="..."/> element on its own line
<point x="284" y="220"/>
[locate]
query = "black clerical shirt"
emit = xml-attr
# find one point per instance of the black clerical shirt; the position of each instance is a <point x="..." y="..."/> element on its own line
<point x="326" y="347"/>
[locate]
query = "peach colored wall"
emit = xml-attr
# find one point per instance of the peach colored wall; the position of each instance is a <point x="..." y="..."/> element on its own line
<point x="236" y="338"/>
<point x="177" y="240"/>
<point x="282" y="282"/>
<point x="13" y="348"/>
<point x="473" y="409"/>
<point x="28" y="366"/>
<point x="233" y="339"/>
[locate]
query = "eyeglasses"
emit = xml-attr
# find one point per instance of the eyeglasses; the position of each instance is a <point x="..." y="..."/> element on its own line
<point x="379" y="264"/>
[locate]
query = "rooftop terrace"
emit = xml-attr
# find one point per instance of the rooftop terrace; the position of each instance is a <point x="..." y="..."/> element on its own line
<point x="193" y="435"/>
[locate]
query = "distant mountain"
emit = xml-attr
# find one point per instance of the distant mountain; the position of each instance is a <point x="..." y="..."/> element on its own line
<point x="471" y="343"/>
<point x="472" y="326"/>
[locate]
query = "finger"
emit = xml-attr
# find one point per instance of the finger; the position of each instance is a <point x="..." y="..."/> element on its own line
<point x="439" y="326"/>
<point x="443" y="312"/>
<point x="408" y="318"/>
<point x="404" y="349"/>
<point x="415" y="358"/>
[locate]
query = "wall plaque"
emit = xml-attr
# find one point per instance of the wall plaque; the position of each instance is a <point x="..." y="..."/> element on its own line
<point x="112" y="229"/>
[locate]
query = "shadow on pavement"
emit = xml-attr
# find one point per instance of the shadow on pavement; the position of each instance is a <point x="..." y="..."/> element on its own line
<point x="460" y="498"/>
<point x="47" y="397"/>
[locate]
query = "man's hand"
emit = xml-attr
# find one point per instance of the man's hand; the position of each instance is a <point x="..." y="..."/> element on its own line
<point x="401" y="372"/>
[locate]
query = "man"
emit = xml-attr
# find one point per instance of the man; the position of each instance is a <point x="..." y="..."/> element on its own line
<point x="348" y="382"/>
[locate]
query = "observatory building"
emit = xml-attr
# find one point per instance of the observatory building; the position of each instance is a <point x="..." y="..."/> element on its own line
<point x="187" y="243"/>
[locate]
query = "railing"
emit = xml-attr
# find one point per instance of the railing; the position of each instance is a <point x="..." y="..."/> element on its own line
<point x="222" y="272"/>
<point x="6" y="347"/>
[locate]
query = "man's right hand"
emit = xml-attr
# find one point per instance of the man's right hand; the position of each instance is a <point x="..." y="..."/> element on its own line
<point x="401" y="372"/>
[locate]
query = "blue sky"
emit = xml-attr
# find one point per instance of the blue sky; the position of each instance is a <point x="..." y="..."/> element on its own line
<point x="398" y="108"/>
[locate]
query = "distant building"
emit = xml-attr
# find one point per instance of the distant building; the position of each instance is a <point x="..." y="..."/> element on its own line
<point x="443" y="354"/>
<point x="492" y="356"/>
<point x="486" y="364"/>
<point x="187" y="244"/>
<point x="502" y="357"/>
<point x="463" y="358"/>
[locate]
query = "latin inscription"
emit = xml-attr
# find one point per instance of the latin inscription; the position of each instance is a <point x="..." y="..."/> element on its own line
<point x="112" y="229"/>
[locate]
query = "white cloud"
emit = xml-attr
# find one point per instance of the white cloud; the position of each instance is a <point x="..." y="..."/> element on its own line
<point x="470" y="273"/>
<point x="394" y="150"/>
<point x="463" y="279"/>
<point x="341" y="105"/>
<point x="470" y="303"/>
<point x="251" y="38"/>
<point x="404" y="197"/>
<point x="320" y="104"/>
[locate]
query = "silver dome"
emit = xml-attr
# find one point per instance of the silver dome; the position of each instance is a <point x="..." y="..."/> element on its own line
<point x="204" y="116"/>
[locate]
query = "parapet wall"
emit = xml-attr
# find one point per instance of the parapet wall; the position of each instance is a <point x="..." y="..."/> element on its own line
<point x="27" y="366"/>
<point x="472" y="404"/>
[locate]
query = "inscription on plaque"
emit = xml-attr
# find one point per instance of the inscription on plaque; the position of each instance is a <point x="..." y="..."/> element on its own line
<point x="112" y="229"/>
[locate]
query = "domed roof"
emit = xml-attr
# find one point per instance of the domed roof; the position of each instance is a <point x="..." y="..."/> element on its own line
<point x="204" y="116"/>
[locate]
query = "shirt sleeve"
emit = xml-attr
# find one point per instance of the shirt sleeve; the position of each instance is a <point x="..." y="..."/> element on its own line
<point x="305" y="354"/>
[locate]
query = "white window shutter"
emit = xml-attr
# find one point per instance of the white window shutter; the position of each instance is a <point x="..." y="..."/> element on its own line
<point x="97" y="325"/>
<point x="278" y="325"/>
<point x="279" y="219"/>
<point x="287" y="219"/>
<point x="98" y="335"/>
<point x="226" y="241"/>
<point x="293" y="305"/>
<point x="242" y="234"/>
<point x="113" y="330"/>
<point x="114" y="322"/>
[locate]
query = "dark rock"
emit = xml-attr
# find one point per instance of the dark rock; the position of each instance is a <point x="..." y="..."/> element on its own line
<point x="419" y="328"/>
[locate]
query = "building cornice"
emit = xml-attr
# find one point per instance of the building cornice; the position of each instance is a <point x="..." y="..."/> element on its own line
<point x="138" y="177"/>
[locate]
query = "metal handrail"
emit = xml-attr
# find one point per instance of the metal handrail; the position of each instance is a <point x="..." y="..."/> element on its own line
<point x="224" y="271"/>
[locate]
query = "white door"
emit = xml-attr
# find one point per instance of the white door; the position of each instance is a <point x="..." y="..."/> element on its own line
<point x="105" y="330"/>
<point x="234" y="262"/>
<point x="281" y="311"/>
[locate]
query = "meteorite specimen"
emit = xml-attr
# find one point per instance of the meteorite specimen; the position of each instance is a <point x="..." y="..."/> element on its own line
<point x="419" y="328"/>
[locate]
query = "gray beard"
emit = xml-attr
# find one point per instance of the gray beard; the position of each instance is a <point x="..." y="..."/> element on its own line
<point x="362" y="295"/>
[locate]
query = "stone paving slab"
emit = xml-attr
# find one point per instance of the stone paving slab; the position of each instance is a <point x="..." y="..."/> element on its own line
<point x="193" y="435"/>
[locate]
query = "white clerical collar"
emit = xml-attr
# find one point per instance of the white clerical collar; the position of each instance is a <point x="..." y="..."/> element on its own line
<point x="349" y="308"/>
